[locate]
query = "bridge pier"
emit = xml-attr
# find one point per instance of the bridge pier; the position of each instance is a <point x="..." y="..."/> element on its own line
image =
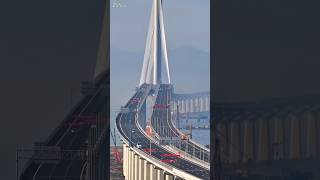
<point x="136" y="166"/>
<point x="147" y="167"/>
<point x="263" y="139"/>
<point x="168" y="176"/>
<point x="248" y="141"/>
<point x="131" y="168"/>
<point x="159" y="174"/>
<point x="294" y="137"/>
<point x="124" y="161"/>
<point x="278" y="140"/>
<point x="141" y="168"/>
<point x="235" y="142"/>
<point x="128" y="172"/>
<point x="153" y="172"/>
<point x="311" y="144"/>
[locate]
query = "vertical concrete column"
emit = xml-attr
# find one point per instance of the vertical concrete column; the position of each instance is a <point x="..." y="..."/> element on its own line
<point x="187" y="105"/>
<point x="141" y="169"/>
<point x="146" y="173"/>
<point x="136" y="167"/>
<point x="183" y="106"/>
<point x="168" y="176"/>
<point x="204" y="103"/>
<point x="235" y="141"/>
<point x="124" y="157"/>
<point x="159" y="174"/>
<point x="294" y="151"/>
<point x="207" y="104"/>
<point x="133" y="168"/>
<point x="262" y="139"/>
<point x="195" y="102"/>
<point x="153" y="172"/>
<point x="194" y="108"/>
<point x="311" y="137"/>
<point x="247" y="141"/>
<point x="278" y="137"/>
<point x="200" y="104"/>
<point x="223" y="141"/>
<point x="318" y="134"/>
<point x="191" y="105"/>
<point x="197" y="105"/>
<point x="125" y="161"/>
<point x="130" y="165"/>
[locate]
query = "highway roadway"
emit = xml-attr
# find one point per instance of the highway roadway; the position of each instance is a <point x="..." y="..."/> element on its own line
<point x="69" y="138"/>
<point x="126" y="122"/>
<point x="163" y="124"/>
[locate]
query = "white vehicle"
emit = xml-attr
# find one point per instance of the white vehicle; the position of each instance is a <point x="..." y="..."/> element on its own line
<point x="139" y="146"/>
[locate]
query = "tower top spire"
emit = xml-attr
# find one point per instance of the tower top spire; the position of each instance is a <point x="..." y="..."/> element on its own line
<point x="156" y="48"/>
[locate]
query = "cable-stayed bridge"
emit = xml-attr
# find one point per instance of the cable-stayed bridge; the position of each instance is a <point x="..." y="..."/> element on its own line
<point x="77" y="148"/>
<point x="153" y="148"/>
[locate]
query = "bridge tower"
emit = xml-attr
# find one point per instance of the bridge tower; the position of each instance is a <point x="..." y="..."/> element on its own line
<point x="156" y="48"/>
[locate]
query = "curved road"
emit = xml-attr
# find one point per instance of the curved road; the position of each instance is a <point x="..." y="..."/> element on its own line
<point x="126" y="123"/>
<point x="68" y="139"/>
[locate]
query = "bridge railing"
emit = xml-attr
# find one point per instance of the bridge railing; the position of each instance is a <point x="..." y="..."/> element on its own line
<point x="171" y="148"/>
<point x="157" y="162"/>
<point x="192" y="141"/>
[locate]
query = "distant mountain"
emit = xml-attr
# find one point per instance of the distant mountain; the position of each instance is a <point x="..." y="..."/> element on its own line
<point x="190" y="71"/>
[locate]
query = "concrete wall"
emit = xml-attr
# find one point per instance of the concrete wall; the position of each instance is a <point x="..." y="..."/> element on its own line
<point x="294" y="136"/>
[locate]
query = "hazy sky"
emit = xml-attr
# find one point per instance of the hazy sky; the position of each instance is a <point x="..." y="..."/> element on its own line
<point x="186" y="23"/>
<point x="187" y="26"/>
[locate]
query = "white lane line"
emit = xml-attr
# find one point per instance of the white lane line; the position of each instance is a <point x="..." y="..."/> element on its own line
<point x="35" y="174"/>
<point x="82" y="170"/>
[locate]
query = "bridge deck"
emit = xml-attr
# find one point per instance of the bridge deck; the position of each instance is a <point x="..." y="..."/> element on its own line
<point x="126" y="123"/>
<point x="68" y="139"/>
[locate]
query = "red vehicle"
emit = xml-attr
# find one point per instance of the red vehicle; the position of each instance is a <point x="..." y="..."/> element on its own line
<point x="160" y="106"/>
<point x="169" y="158"/>
<point x="170" y="155"/>
<point x="147" y="150"/>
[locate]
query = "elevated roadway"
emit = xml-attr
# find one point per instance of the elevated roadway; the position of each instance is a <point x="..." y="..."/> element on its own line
<point x="128" y="127"/>
<point x="69" y="139"/>
<point x="165" y="128"/>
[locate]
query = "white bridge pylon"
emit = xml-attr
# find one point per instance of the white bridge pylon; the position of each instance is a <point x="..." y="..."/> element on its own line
<point x="155" y="48"/>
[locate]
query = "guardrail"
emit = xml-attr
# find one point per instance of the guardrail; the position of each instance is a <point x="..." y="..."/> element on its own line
<point x="166" y="167"/>
<point x="172" y="149"/>
<point x="200" y="145"/>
